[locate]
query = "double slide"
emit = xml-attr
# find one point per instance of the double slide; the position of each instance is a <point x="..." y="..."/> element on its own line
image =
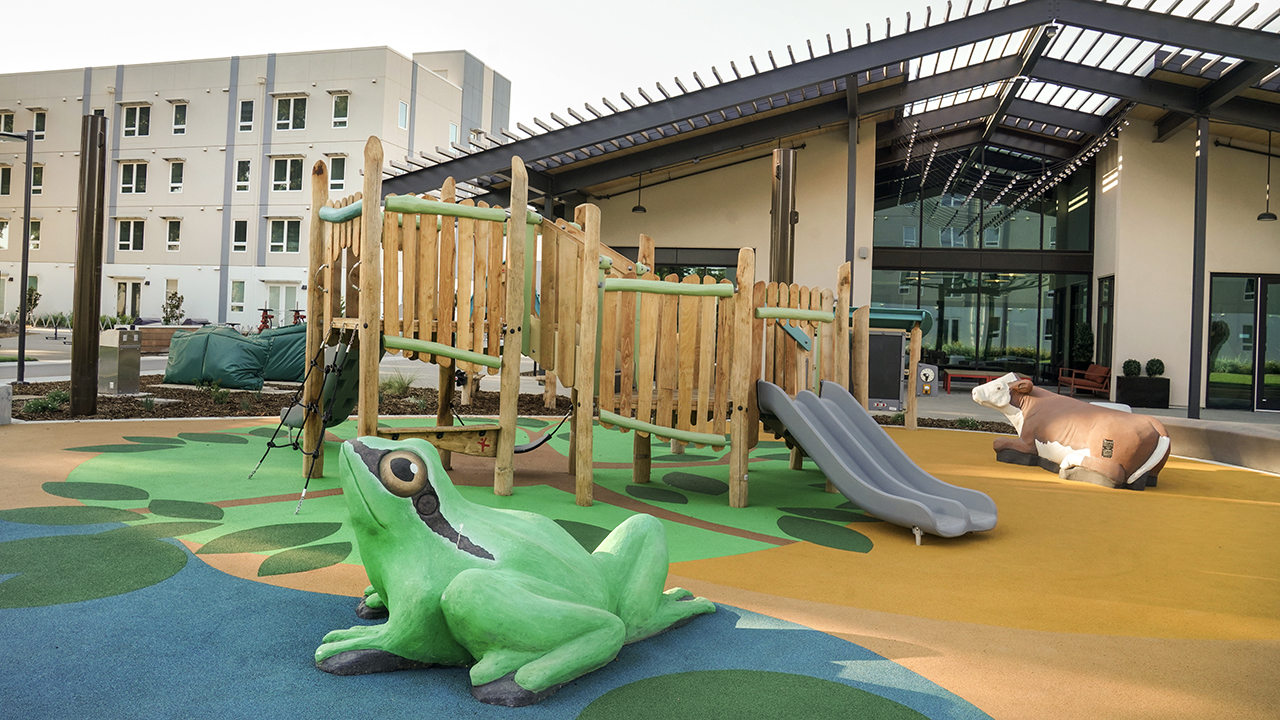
<point x="868" y="467"/>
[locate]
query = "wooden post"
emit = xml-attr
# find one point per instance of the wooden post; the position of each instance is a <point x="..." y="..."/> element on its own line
<point x="87" y="292"/>
<point x="913" y="374"/>
<point x="512" y="332"/>
<point x="588" y="216"/>
<point x="860" y="353"/>
<point x="642" y="466"/>
<point x="743" y="384"/>
<point x="370" y="289"/>
<point x="549" y="388"/>
<point x="840" y="331"/>
<point x="317" y="329"/>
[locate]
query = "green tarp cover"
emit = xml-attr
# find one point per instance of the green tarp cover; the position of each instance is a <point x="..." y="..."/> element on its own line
<point x="216" y="353"/>
<point x="286" y="353"/>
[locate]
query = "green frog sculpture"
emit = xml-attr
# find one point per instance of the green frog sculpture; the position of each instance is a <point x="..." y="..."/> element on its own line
<point x="509" y="593"/>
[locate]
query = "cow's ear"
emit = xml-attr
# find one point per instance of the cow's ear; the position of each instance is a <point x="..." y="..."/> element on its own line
<point x="1022" y="385"/>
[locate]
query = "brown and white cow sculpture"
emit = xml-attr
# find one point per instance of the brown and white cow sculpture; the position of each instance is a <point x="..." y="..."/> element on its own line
<point x="1078" y="440"/>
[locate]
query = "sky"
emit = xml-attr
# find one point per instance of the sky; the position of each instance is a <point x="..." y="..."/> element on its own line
<point x="556" y="54"/>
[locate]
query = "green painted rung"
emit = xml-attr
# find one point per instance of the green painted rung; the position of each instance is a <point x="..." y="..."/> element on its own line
<point x="422" y="206"/>
<point x="794" y="314"/>
<point x="667" y="288"/>
<point x="395" y="342"/>
<point x="342" y="214"/>
<point x="686" y="436"/>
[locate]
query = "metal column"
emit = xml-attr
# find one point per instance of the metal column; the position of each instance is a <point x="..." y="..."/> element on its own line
<point x="783" y="217"/>
<point x="1198" y="267"/>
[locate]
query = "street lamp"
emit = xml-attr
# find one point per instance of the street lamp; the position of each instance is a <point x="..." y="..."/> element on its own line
<point x="29" y="137"/>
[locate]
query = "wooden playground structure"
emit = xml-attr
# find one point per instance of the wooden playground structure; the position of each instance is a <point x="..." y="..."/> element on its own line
<point x="473" y="288"/>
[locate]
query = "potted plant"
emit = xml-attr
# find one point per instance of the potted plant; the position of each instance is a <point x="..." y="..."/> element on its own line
<point x="1151" y="391"/>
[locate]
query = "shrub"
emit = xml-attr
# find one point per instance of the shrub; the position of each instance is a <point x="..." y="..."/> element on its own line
<point x="33" y="299"/>
<point x="395" y="386"/>
<point x="52" y="402"/>
<point x="898" y="419"/>
<point x="1082" y="343"/>
<point x="1155" y="367"/>
<point x="148" y="404"/>
<point x="171" y="311"/>
<point x="1273" y="367"/>
<point x="967" y="423"/>
<point x="1131" y="368"/>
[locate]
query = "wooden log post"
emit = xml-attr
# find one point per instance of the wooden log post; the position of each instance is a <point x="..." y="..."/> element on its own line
<point x="512" y="331"/>
<point x="588" y="216"/>
<point x="910" y="416"/>
<point x="744" y="378"/>
<point x="840" y="331"/>
<point x="860" y="354"/>
<point x="370" y="289"/>
<point x="317" y="328"/>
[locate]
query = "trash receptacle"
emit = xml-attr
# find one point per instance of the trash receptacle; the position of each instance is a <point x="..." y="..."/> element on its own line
<point x="119" y="361"/>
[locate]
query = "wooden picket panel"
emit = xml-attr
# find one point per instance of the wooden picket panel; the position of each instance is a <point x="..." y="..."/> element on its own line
<point x="390" y="277"/>
<point x="726" y="336"/>
<point x="446" y="296"/>
<point x="549" y="304"/>
<point x="626" y="331"/>
<point x="428" y="270"/>
<point x="705" y="380"/>
<point x="409" y="231"/>
<point x="566" y="314"/>
<point x="606" y="361"/>
<point x="496" y="299"/>
<point x="480" y="287"/>
<point x="464" y="279"/>
<point x="646" y="353"/>
<point x="827" y="356"/>
<point x="668" y="356"/>
<point x="687" y="358"/>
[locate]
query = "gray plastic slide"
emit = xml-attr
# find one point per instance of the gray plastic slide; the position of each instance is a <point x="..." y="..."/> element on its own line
<point x="868" y="467"/>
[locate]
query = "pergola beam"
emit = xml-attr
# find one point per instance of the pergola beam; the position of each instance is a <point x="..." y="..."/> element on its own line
<point x="1214" y="95"/>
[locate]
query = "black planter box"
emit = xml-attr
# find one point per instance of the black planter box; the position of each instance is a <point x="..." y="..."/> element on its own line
<point x="1143" y="392"/>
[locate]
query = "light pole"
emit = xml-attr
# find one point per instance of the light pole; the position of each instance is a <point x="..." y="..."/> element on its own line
<point x="30" y="138"/>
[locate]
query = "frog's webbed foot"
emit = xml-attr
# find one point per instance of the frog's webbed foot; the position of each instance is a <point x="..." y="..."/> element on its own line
<point x="528" y="636"/>
<point x="369" y="660"/>
<point x="634" y="559"/>
<point x="506" y="691"/>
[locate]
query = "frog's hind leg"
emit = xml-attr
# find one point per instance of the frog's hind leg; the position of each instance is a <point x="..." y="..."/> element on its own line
<point x="634" y="560"/>
<point x="528" y="636"/>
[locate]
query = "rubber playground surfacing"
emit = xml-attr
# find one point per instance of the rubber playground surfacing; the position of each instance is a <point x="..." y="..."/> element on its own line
<point x="142" y="574"/>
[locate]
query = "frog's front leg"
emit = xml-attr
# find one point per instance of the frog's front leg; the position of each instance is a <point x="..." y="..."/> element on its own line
<point x="414" y="636"/>
<point x="635" y="562"/>
<point x="528" y="636"/>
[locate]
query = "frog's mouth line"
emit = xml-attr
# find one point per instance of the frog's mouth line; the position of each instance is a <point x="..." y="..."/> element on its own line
<point x="426" y="502"/>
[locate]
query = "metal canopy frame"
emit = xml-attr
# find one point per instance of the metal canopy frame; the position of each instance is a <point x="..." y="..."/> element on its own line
<point x="1043" y="83"/>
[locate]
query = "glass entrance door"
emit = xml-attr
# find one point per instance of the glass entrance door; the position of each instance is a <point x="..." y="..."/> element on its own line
<point x="1267" y="365"/>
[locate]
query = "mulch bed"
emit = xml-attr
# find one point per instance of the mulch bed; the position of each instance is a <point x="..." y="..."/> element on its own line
<point x="196" y="402"/>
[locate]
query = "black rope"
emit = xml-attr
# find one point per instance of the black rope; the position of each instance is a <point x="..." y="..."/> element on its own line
<point x="293" y="443"/>
<point x="325" y="417"/>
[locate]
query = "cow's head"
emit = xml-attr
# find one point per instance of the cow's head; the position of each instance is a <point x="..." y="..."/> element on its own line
<point x="1003" y="392"/>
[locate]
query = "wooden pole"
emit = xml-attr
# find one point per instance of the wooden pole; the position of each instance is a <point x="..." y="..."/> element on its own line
<point x="313" y="427"/>
<point x="744" y="379"/>
<point x="370" y="289"/>
<point x="913" y="375"/>
<point x="87" y="295"/>
<point x="840" y="356"/>
<point x="512" y="332"/>
<point x="588" y="216"/>
<point x="860" y="352"/>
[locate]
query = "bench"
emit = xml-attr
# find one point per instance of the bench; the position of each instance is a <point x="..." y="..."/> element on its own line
<point x="978" y="376"/>
<point x="1095" y="379"/>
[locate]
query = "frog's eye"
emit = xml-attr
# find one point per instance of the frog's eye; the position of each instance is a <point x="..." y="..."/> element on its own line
<point x="402" y="472"/>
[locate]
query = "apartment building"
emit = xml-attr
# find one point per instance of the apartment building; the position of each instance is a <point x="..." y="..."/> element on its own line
<point x="209" y="165"/>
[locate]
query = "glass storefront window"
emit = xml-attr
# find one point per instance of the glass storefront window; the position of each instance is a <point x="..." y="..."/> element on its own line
<point x="1231" y="340"/>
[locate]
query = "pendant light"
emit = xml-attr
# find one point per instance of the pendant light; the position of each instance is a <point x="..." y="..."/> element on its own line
<point x="640" y="187"/>
<point x="1268" y="216"/>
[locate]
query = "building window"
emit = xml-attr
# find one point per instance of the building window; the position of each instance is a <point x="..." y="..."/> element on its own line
<point x="35" y="235"/>
<point x="6" y="122"/>
<point x="285" y="235"/>
<point x="4" y="234"/>
<point x="37" y="179"/>
<point x="242" y="175"/>
<point x="404" y="115"/>
<point x="38" y="126"/>
<point x="133" y="178"/>
<point x="338" y="173"/>
<point x="6" y="179"/>
<point x="291" y="113"/>
<point x="100" y="112"/>
<point x="952" y="237"/>
<point x="137" y="121"/>
<point x="237" y="296"/>
<point x="909" y="236"/>
<point x="246" y="116"/>
<point x="130" y="237"/>
<point x="180" y="119"/>
<point x="287" y="174"/>
<point x="341" y="105"/>
<point x="240" y="236"/>
<point x="453" y="133"/>
<point x="991" y="238"/>
<point x="175" y="177"/>
<point x="175" y="236"/>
